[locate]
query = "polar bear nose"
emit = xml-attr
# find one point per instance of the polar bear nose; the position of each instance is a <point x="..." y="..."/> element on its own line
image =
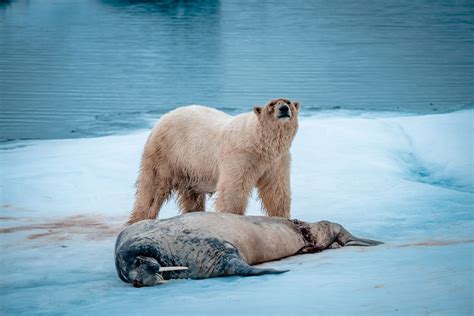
<point x="284" y="109"/>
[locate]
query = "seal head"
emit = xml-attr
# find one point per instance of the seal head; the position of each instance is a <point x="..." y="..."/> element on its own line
<point x="145" y="272"/>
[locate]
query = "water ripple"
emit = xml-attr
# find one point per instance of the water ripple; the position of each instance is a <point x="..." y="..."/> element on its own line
<point x="64" y="64"/>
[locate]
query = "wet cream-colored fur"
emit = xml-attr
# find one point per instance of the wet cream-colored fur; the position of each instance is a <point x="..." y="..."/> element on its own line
<point x="196" y="150"/>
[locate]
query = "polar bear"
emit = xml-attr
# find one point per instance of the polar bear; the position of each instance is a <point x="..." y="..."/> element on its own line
<point x="196" y="150"/>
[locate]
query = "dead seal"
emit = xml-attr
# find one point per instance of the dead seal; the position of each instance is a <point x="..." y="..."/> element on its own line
<point x="206" y="244"/>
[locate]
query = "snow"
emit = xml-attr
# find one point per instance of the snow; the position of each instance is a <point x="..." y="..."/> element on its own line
<point x="406" y="180"/>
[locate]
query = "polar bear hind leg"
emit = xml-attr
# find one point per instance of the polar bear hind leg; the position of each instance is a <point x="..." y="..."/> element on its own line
<point x="152" y="191"/>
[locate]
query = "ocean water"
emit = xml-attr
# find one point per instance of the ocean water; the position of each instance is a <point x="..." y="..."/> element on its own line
<point x="81" y="68"/>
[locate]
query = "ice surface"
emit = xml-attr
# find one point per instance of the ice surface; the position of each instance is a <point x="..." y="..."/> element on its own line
<point x="406" y="180"/>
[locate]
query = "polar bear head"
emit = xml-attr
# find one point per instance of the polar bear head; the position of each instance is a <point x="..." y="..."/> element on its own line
<point x="279" y="110"/>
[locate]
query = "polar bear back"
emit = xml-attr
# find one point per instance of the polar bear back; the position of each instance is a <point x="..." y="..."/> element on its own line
<point x="191" y="137"/>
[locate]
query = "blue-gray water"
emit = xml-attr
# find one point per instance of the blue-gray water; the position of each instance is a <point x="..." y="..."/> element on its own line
<point x="76" y="68"/>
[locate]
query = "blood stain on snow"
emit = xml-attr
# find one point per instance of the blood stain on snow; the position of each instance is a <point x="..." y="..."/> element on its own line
<point x="92" y="227"/>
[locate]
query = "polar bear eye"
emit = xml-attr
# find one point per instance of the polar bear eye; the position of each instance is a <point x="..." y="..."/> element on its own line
<point x="272" y="103"/>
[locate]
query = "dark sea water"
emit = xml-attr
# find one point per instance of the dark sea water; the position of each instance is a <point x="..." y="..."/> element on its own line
<point x="79" y="68"/>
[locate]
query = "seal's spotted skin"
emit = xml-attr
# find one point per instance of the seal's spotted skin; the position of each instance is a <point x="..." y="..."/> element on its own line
<point x="219" y="244"/>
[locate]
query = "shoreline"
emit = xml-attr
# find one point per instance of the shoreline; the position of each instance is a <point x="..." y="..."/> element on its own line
<point x="324" y="113"/>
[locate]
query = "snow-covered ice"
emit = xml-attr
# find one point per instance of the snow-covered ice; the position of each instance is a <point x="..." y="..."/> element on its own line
<point x="406" y="180"/>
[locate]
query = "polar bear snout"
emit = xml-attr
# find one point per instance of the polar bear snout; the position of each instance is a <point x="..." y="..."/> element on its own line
<point x="284" y="112"/>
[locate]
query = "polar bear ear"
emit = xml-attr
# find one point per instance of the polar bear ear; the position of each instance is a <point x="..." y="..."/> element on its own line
<point x="297" y="105"/>
<point x="257" y="110"/>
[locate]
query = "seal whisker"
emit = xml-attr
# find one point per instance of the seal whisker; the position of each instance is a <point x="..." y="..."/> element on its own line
<point x="175" y="268"/>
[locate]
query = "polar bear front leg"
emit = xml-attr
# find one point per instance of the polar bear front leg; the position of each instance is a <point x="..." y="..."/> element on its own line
<point x="236" y="180"/>
<point x="274" y="188"/>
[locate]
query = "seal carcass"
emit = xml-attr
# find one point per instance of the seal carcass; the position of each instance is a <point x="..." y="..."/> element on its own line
<point x="206" y="244"/>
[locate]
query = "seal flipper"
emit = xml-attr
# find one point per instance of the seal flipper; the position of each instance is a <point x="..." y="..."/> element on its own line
<point x="347" y="239"/>
<point x="237" y="266"/>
